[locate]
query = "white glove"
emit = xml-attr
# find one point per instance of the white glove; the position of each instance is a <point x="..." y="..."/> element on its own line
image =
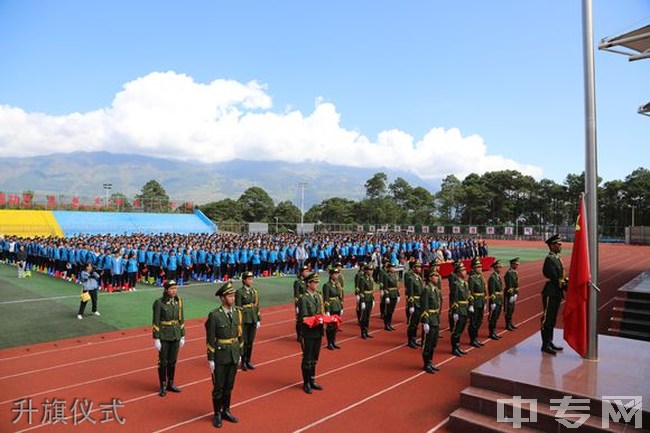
<point x="358" y="298"/>
<point x="182" y="342"/>
<point x="257" y="325"/>
<point x="387" y="301"/>
<point x="455" y="317"/>
<point x="511" y="300"/>
<point x="426" y="328"/>
<point x="211" y="365"/>
<point x="157" y="344"/>
<point x="398" y="298"/>
<point x="341" y="313"/>
<point x="492" y="307"/>
<point x="297" y="310"/>
<point x="411" y="310"/>
<point x="327" y="314"/>
<point x="363" y="305"/>
<point x="471" y="309"/>
<point x="516" y="296"/>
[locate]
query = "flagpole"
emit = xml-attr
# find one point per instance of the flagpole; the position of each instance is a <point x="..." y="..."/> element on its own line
<point x="591" y="176"/>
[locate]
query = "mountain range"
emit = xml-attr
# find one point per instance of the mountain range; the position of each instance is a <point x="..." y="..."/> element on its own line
<point x="84" y="173"/>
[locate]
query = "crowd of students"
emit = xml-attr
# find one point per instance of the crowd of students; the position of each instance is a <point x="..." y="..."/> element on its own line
<point x="123" y="261"/>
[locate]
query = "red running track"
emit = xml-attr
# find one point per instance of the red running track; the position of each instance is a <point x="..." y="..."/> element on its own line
<point x="370" y="385"/>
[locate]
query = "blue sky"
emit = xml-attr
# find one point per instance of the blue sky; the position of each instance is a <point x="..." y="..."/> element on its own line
<point x="432" y="87"/>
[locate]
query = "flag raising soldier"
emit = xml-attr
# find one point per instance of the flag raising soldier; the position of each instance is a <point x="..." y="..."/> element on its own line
<point x="458" y="297"/>
<point x="299" y="289"/>
<point x="366" y="295"/>
<point x="378" y="276"/>
<point x="169" y="335"/>
<point x="476" y="307"/>
<point x="495" y="289"/>
<point x="512" y="292"/>
<point x="223" y="334"/>
<point x="413" y="292"/>
<point x="552" y="293"/>
<point x="391" y="294"/>
<point x="434" y="267"/>
<point x="431" y="302"/>
<point x="408" y="275"/>
<point x="333" y="297"/>
<point x="357" y="278"/>
<point x="247" y="298"/>
<point x="310" y="305"/>
<point x="452" y="280"/>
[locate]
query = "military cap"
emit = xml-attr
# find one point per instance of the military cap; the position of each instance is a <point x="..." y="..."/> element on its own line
<point x="555" y="239"/>
<point x="435" y="262"/>
<point x="246" y="274"/>
<point x="477" y="262"/>
<point x="304" y="268"/>
<point x="226" y="289"/>
<point x="496" y="264"/>
<point x="333" y="270"/>
<point x="390" y="265"/>
<point x="168" y="284"/>
<point x="367" y="266"/>
<point x="459" y="266"/>
<point x="515" y="260"/>
<point x="338" y="264"/>
<point x="312" y="277"/>
<point x="416" y="263"/>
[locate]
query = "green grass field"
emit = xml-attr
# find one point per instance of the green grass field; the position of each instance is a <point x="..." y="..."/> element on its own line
<point x="42" y="308"/>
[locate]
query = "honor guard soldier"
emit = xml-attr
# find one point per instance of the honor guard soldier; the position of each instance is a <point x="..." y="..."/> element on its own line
<point x="169" y="335"/>
<point x="477" y="291"/>
<point x="357" y="277"/>
<point x="511" y="280"/>
<point x="378" y="276"/>
<point x="408" y="275"/>
<point x="413" y="292"/>
<point x="431" y="302"/>
<point x="391" y="295"/>
<point x="552" y="293"/>
<point x="459" y="299"/>
<point x="495" y="289"/>
<point x="434" y="267"/>
<point x="247" y="298"/>
<point x="311" y="304"/>
<point x="366" y="295"/>
<point x="333" y="298"/>
<point x="299" y="288"/>
<point x="223" y="334"/>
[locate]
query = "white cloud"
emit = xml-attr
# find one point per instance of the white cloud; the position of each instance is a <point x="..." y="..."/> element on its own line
<point x="170" y="115"/>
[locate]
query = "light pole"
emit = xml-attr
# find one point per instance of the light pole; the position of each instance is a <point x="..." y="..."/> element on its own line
<point x="302" y="186"/>
<point x="633" y="207"/>
<point x="107" y="188"/>
<point x="276" y="226"/>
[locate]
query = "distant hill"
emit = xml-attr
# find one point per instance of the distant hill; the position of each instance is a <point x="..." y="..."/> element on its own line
<point x="84" y="173"/>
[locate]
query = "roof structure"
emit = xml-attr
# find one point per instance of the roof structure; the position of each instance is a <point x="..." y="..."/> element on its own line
<point x="635" y="45"/>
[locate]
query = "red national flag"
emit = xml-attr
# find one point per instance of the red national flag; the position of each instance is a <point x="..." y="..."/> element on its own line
<point x="75" y="201"/>
<point x="2" y="198"/>
<point x="577" y="294"/>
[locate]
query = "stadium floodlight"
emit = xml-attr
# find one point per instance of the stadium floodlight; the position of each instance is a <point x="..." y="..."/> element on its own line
<point x="302" y="186"/>
<point x="107" y="189"/>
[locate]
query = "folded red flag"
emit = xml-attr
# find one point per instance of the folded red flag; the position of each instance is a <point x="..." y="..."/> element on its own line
<point x="320" y="319"/>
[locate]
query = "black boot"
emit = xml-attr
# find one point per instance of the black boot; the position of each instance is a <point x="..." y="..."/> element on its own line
<point x="306" y="386"/>
<point x="162" y="379"/>
<point x="493" y="335"/>
<point x="368" y="335"/>
<point x="454" y="347"/>
<point x="225" y="412"/>
<point x="216" y="406"/>
<point x="554" y="347"/>
<point x="412" y="343"/>
<point x="334" y="345"/>
<point x="249" y="353"/>
<point x="474" y="343"/>
<point x="170" y="379"/>
<point x="363" y="333"/>
<point x="328" y="333"/>
<point x="312" y="380"/>
<point x="546" y="348"/>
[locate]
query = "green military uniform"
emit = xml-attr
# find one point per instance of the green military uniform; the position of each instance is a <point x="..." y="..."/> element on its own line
<point x="414" y="286"/>
<point x="366" y="293"/>
<point x="333" y="298"/>
<point x="477" y="293"/>
<point x="311" y="304"/>
<point x="451" y="279"/>
<point x="299" y="289"/>
<point x="495" y="290"/>
<point x="459" y="300"/>
<point x="552" y="294"/>
<point x="223" y="341"/>
<point x="408" y="276"/>
<point x="169" y="328"/>
<point x="431" y="303"/>
<point x="247" y="298"/>
<point x="379" y="278"/>
<point x="389" y="284"/>
<point x="511" y="280"/>
<point x="357" y="278"/>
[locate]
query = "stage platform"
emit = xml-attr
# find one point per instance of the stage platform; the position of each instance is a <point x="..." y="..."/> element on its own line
<point x="623" y="369"/>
